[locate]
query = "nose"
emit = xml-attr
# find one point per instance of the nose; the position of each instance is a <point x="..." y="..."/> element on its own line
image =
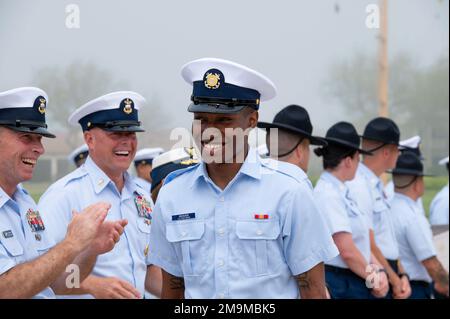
<point x="38" y="148"/>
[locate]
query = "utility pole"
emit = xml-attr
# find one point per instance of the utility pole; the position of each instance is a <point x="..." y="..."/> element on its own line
<point x="383" y="63"/>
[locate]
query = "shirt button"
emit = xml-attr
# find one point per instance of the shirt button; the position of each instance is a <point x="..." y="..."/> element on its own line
<point x="222" y="199"/>
<point x="220" y="263"/>
<point x="221" y="296"/>
<point x="184" y="234"/>
<point x="259" y="232"/>
<point x="221" y="231"/>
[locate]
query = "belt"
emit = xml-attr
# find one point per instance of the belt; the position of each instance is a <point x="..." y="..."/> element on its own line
<point x="338" y="270"/>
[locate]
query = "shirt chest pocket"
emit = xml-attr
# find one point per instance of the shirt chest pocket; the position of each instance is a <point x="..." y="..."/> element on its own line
<point x="187" y="239"/>
<point x="257" y="242"/>
<point x="14" y="249"/>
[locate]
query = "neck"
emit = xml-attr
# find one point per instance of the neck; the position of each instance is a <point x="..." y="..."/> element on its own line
<point x="117" y="177"/>
<point x="223" y="174"/>
<point x="408" y="193"/>
<point x="9" y="187"/>
<point x="339" y="174"/>
<point x="375" y="166"/>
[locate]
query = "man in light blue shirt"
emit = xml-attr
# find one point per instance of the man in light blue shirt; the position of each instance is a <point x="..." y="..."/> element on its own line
<point x="439" y="210"/>
<point x="348" y="275"/>
<point x="236" y="226"/>
<point x="30" y="262"/>
<point x="415" y="239"/>
<point x="109" y="124"/>
<point x="381" y="137"/>
<point x="143" y="164"/>
<point x="409" y="145"/>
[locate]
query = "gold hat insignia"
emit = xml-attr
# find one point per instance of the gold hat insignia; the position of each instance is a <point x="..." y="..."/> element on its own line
<point x="128" y="109"/>
<point x="42" y="105"/>
<point x="212" y="81"/>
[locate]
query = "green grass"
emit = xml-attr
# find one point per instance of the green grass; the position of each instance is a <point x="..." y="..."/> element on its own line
<point x="433" y="186"/>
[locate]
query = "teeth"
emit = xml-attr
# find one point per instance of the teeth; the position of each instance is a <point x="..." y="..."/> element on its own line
<point x="124" y="153"/>
<point x="29" y="161"/>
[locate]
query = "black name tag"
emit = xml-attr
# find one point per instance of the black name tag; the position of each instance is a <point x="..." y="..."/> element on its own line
<point x="8" y="234"/>
<point x="183" y="217"/>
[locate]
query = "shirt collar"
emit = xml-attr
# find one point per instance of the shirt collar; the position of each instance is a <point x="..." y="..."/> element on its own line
<point x="405" y="198"/>
<point x="100" y="180"/>
<point x="370" y="175"/>
<point x="251" y="167"/>
<point x="4" y="198"/>
<point x="327" y="176"/>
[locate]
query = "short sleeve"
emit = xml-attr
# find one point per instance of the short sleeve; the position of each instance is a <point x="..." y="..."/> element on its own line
<point x="161" y="251"/>
<point x="56" y="214"/>
<point x="334" y="211"/>
<point x="307" y="238"/>
<point x="420" y="244"/>
<point x="439" y="209"/>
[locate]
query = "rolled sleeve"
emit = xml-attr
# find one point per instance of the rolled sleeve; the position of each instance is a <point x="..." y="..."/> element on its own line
<point x="309" y="240"/>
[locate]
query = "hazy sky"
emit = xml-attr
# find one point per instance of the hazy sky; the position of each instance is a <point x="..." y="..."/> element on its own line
<point x="145" y="43"/>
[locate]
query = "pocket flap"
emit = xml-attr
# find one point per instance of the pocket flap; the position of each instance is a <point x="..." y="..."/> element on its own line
<point x="182" y="231"/>
<point x="12" y="246"/>
<point x="269" y="230"/>
<point x="143" y="226"/>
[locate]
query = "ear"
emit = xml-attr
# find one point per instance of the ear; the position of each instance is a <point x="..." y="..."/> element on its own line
<point x="88" y="139"/>
<point x="348" y="162"/>
<point x="253" y="119"/>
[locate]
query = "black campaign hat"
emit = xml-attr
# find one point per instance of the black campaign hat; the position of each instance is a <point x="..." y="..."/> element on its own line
<point x="294" y="119"/>
<point x="383" y="130"/>
<point x="23" y="110"/>
<point x="344" y="134"/>
<point x="409" y="163"/>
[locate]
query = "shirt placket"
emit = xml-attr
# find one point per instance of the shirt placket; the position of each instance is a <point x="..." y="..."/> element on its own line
<point x="221" y="246"/>
<point x="129" y="236"/>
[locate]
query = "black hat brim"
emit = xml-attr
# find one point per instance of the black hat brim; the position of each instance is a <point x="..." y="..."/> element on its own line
<point x="380" y="140"/>
<point x="347" y="144"/>
<point x="215" y="108"/>
<point x="404" y="171"/>
<point x="314" y="140"/>
<point x="38" y="130"/>
<point x="132" y="129"/>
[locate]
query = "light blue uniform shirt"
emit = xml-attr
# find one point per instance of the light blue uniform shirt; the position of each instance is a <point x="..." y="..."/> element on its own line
<point x="390" y="192"/>
<point x="342" y="214"/>
<point x="213" y="239"/>
<point x="19" y="242"/>
<point x="439" y="208"/>
<point x="143" y="184"/>
<point x="414" y="237"/>
<point x="89" y="185"/>
<point x="368" y="191"/>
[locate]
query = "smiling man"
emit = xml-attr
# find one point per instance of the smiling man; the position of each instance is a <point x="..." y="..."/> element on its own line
<point x="109" y="125"/>
<point x="31" y="265"/>
<point x="235" y="226"/>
